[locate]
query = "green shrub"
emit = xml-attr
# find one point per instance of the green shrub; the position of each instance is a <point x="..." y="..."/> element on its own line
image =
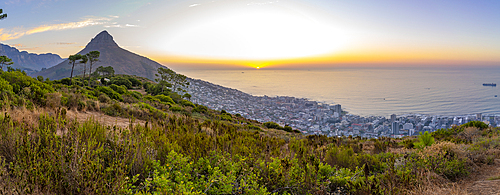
<point x="200" y="109"/>
<point x="119" y="80"/>
<point x="424" y="140"/>
<point x="272" y="125"/>
<point x="104" y="98"/>
<point x="253" y="127"/>
<point x="113" y="110"/>
<point x="341" y="157"/>
<point x="26" y="86"/>
<point x="477" y="124"/>
<point x="187" y="103"/>
<point x="119" y="89"/>
<point x="127" y="98"/>
<point x="135" y="94"/>
<point x="445" y="134"/>
<point x="408" y="144"/>
<point x="287" y="128"/>
<point x="74" y="100"/>
<point x="135" y="82"/>
<point x="4" y="85"/>
<point x="110" y="92"/>
<point x="165" y="99"/>
<point x="146" y="85"/>
<point x="380" y="146"/>
<point x="66" y="81"/>
<point x="175" y="109"/>
<point x="226" y="117"/>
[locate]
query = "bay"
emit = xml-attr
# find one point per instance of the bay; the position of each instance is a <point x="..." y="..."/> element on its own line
<point x="373" y="91"/>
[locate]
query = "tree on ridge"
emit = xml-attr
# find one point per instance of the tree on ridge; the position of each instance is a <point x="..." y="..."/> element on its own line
<point x="164" y="75"/>
<point x="84" y="61"/>
<point x="72" y="60"/>
<point x="2" y="16"/>
<point x="5" y="61"/>
<point x="93" y="58"/>
<point x="108" y="70"/>
<point x="178" y="81"/>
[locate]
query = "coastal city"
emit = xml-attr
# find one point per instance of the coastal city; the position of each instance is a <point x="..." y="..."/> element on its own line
<point x="311" y="117"/>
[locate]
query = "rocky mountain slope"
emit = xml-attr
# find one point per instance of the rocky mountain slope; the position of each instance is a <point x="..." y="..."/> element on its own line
<point x="123" y="61"/>
<point x="30" y="61"/>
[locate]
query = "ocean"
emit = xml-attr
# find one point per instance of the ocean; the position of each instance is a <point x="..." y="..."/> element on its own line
<point x="374" y="91"/>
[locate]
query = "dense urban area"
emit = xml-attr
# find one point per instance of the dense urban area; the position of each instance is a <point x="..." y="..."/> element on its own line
<point x="311" y="117"/>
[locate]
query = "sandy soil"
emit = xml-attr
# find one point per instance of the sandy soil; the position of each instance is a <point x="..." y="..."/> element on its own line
<point x="103" y="119"/>
<point x="481" y="185"/>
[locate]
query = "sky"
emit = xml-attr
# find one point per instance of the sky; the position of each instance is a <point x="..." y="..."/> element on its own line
<point x="265" y="34"/>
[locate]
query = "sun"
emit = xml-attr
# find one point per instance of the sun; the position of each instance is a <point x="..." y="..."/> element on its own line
<point x="255" y="32"/>
<point x="257" y="67"/>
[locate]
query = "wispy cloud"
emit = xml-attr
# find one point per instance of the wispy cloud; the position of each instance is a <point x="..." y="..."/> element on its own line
<point x="194" y="5"/>
<point x="17" y="45"/>
<point x="31" y="48"/>
<point x="64" y="43"/>
<point x="17" y="33"/>
<point x="9" y="2"/>
<point x="35" y="3"/>
<point x="4" y="36"/>
<point x="131" y="25"/>
<point x="115" y="25"/>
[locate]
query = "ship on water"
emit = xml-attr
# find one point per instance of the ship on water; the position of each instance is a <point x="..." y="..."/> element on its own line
<point x="490" y="84"/>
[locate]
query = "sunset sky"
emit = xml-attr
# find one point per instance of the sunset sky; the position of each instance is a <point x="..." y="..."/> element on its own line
<point x="267" y="34"/>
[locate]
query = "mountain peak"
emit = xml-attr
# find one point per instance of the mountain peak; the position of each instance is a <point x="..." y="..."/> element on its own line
<point x="103" y="35"/>
<point x="103" y="39"/>
<point x="122" y="61"/>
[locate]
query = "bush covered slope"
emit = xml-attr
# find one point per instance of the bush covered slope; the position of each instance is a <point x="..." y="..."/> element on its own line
<point x="185" y="148"/>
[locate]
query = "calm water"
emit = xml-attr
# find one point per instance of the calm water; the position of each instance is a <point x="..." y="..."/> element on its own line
<point x="380" y="91"/>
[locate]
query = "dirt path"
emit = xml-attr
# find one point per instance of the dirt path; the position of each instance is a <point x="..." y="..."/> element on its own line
<point x="481" y="185"/>
<point x="142" y="91"/>
<point x="103" y="119"/>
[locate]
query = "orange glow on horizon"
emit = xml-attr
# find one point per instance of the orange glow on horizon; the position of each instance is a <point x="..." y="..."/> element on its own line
<point x="351" y="59"/>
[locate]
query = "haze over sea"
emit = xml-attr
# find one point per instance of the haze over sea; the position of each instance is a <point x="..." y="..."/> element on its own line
<point x="373" y="91"/>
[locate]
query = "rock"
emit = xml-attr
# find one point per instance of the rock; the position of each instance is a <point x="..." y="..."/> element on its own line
<point x="29" y="61"/>
<point x="122" y="61"/>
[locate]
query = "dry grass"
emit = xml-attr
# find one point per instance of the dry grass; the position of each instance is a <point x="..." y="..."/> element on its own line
<point x="443" y="189"/>
<point x="104" y="119"/>
<point x="54" y="100"/>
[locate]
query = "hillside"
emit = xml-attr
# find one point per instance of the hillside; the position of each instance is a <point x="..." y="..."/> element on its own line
<point x="29" y="61"/>
<point x="61" y="139"/>
<point x="123" y="61"/>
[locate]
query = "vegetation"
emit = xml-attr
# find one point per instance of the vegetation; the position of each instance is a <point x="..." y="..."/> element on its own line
<point x="72" y="60"/>
<point x="90" y="57"/>
<point x="176" y="147"/>
<point x="2" y="16"/>
<point x="4" y="60"/>
<point x="93" y="57"/>
<point x="168" y="78"/>
<point x="274" y="125"/>
<point x="105" y="71"/>
<point x="424" y="140"/>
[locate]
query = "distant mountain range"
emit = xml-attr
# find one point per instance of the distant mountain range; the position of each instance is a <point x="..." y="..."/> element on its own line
<point x="122" y="61"/>
<point x="29" y="61"/>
